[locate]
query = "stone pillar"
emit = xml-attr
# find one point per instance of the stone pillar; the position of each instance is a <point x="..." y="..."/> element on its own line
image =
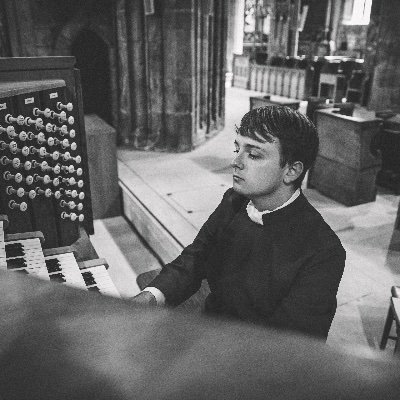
<point x="235" y="31"/>
<point x="178" y="74"/>
<point x="138" y="65"/>
<point x="5" y="49"/>
<point x="124" y="98"/>
<point x="383" y="52"/>
<point x="194" y="54"/>
<point x="22" y="34"/>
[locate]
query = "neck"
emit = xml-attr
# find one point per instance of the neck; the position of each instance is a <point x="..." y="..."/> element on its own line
<point x="273" y="200"/>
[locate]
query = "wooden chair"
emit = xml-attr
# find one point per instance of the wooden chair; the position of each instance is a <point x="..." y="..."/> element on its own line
<point x="393" y="315"/>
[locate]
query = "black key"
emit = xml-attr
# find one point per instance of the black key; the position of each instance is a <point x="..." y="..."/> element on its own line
<point x="53" y="266"/>
<point x="58" y="278"/>
<point x="53" y="261"/>
<point x="14" y="250"/>
<point x="16" y="263"/>
<point x="14" y="245"/>
<point x="88" y="278"/>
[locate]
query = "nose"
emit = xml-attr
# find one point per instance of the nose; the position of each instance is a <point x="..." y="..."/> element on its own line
<point x="237" y="162"/>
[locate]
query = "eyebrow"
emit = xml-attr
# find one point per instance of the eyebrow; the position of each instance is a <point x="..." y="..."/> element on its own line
<point x="249" y="146"/>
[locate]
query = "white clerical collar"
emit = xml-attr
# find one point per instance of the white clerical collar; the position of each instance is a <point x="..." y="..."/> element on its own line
<point x="256" y="216"/>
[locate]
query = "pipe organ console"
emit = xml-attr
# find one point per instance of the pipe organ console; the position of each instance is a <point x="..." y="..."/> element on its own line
<point x="43" y="157"/>
<point x="44" y="179"/>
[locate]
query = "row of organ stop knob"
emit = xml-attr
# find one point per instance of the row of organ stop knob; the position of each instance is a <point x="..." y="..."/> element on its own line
<point x="39" y="177"/>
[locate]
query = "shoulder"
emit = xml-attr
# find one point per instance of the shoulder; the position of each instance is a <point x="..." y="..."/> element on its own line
<point x="320" y="234"/>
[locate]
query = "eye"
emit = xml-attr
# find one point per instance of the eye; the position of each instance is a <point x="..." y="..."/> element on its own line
<point x="236" y="151"/>
<point x="253" y="156"/>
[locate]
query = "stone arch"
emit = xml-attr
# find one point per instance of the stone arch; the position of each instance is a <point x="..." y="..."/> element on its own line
<point x="93" y="61"/>
<point x="73" y="28"/>
<point x="87" y="21"/>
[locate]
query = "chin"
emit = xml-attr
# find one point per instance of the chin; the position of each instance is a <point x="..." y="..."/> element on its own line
<point x="240" y="190"/>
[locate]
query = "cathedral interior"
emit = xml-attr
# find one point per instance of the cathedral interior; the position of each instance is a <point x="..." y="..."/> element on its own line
<point x="117" y="127"/>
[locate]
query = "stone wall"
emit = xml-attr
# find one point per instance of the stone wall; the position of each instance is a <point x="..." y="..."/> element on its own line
<point x="166" y="70"/>
<point x="383" y="56"/>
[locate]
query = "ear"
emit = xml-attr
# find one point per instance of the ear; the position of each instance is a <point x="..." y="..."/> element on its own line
<point x="293" y="172"/>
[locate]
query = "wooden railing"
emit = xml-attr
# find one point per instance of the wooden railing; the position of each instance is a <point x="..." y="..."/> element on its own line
<point x="288" y="82"/>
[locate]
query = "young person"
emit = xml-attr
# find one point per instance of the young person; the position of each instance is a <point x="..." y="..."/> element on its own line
<point x="267" y="254"/>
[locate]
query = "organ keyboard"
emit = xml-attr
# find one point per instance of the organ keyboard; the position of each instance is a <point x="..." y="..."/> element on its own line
<point x="23" y="253"/>
<point x="97" y="279"/>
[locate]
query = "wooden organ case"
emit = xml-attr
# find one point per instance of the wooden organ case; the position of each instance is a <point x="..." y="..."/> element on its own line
<point x="43" y="156"/>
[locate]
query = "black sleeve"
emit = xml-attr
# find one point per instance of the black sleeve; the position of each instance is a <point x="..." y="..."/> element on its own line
<point x="310" y="304"/>
<point x="182" y="277"/>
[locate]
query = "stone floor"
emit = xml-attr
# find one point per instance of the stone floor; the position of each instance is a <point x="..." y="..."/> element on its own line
<point x="190" y="185"/>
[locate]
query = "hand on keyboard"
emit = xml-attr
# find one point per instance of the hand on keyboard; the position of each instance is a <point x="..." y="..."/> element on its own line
<point x="144" y="298"/>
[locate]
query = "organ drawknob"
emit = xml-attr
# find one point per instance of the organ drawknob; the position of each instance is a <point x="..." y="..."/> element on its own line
<point x="16" y="162"/>
<point x="23" y="136"/>
<point x="20" y="206"/>
<point x="63" y="130"/>
<point x="20" y="120"/>
<point x="46" y="112"/>
<point x="70" y="193"/>
<point x="38" y="122"/>
<point x="42" y="151"/>
<point x="9" y="176"/>
<point x="20" y="192"/>
<point x="45" y="179"/>
<point x="12" y="146"/>
<point x="29" y="180"/>
<point x="68" y="106"/>
<point x="70" y="204"/>
<point x="46" y="192"/>
<point x="72" y="216"/>
<point x="50" y="127"/>
<point x="62" y="116"/>
<point x="69" y="181"/>
<point x="54" y="155"/>
<point x="41" y="138"/>
<point x="10" y="130"/>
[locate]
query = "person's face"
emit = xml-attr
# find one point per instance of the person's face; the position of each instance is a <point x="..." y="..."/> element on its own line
<point x="257" y="172"/>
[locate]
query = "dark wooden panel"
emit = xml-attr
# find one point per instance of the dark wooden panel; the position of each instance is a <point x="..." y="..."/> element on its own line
<point x="102" y="160"/>
<point x="342" y="183"/>
<point x="83" y="149"/>
<point x="347" y="139"/>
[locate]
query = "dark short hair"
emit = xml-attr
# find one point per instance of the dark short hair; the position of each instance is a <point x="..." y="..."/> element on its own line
<point x="297" y="135"/>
